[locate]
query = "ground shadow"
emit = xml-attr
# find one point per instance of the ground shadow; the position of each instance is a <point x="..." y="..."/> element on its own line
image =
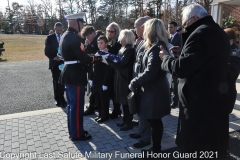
<point x="3" y="60"/>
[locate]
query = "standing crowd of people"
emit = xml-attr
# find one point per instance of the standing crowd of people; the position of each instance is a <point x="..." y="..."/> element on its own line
<point x="194" y="61"/>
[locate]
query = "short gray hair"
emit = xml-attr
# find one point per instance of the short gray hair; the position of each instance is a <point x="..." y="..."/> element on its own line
<point x="127" y="35"/>
<point x="194" y="10"/>
<point x="140" y="21"/>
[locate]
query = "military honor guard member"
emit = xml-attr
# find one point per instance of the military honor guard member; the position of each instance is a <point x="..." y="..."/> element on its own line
<point x="74" y="75"/>
<point x="51" y="50"/>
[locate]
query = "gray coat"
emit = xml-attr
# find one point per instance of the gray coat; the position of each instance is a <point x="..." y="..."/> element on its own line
<point x="155" y="96"/>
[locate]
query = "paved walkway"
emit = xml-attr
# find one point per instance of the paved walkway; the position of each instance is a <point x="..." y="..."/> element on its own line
<point x="43" y="134"/>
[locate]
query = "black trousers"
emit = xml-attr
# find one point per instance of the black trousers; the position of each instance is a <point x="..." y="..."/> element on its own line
<point x="127" y="117"/>
<point x="57" y="88"/>
<point x="116" y="106"/>
<point x="175" y="89"/>
<point x="92" y="99"/>
<point x="157" y="132"/>
<point x="102" y="98"/>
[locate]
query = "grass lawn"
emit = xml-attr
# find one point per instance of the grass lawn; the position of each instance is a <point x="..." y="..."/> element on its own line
<point x="23" y="47"/>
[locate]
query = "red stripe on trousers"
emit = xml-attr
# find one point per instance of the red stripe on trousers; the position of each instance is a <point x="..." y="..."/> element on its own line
<point x="77" y="113"/>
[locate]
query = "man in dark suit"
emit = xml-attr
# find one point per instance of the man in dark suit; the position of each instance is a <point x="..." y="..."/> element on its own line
<point x="51" y="51"/>
<point x="91" y="46"/>
<point x="74" y="75"/>
<point x="176" y="40"/>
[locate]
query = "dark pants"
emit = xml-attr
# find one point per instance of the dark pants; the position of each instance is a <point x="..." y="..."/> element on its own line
<point x="116" y="106"/>
<point x="127" y="117"/>
<point x="92" y="99"/>
<point x="102" y="98"/>
<point x="75" y="101"/>
<point x="57" y="87"/>
<point x="175" y="89"/>
<point x="157" y="132"/>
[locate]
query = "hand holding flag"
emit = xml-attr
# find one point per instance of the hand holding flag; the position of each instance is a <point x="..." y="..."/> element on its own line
<point x="110" y="57"/>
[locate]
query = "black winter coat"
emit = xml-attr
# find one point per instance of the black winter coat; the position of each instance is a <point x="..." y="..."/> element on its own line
<point x="203" y="88"/>
<point x="233" y="71"/>
<point x="123" y="73"/>
<point x="155" y="96"/>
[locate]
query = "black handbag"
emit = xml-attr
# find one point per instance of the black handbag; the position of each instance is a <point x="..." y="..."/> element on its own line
<point x="132" y="102"/>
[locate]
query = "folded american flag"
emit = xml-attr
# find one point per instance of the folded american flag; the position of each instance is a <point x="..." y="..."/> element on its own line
<point x="110" y="57"/>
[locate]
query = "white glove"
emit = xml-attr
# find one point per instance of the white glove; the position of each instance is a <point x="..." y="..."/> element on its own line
<point x="90" y="82"/>
<point x="104" y="60"/>
<point x="104" y="87"/>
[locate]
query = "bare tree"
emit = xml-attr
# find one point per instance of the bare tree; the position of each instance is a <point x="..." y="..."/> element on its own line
<point x="13" y="14"/>
<point x="205" y="4"/>
<point x="70" y="6"/>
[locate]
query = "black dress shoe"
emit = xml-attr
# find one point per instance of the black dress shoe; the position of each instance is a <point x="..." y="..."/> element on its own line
<point x="96" y="118"/>
<point x="62" y="105"/>
<point x="100" y="120"/>
<point x="120" y="124"/>
<point x="140" y="144"/>
<point x="135" y="123"/>
<point x="115" y="115"/>
<point x="85" y="137"/>
<point x="174" y="105"/>
<point x="126" y="127"/>
<point x="135" y="135"/>
<point x="88" y="112"/>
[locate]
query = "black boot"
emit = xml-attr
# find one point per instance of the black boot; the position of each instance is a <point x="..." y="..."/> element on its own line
<point x="89" y="111"/>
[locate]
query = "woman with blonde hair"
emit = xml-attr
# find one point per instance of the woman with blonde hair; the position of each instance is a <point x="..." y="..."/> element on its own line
<point x="155" y="97"/>
<point x="112" y="33"/>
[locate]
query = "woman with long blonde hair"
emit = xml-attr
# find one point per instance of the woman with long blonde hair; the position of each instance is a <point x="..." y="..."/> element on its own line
<point x="155" y="97"/>
<point x="112" y="33"/>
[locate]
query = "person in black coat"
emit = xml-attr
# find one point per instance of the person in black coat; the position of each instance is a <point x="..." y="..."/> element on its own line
<point x="123" y="76"/>
<point x="102" y="80"/>
<point x="51" y="50"/>
<point x="112" y="33"/>
<point x="91" y="46"/>
<point x="233" y="66"/>
<point x="176" y="40"/>
<point x="202" y="70"/>
<point x="74" y="75"/>
<point x="155" y="97"/>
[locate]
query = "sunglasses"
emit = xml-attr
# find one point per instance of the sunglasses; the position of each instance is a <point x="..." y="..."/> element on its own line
<point x="110" y="31"/>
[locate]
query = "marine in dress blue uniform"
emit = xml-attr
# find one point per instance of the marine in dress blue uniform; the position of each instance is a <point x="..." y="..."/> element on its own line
<point x="74" y="75"/>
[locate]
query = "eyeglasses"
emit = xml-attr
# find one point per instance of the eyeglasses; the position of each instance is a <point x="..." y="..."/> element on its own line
<point x="185" y="23"/>
<point x="111" y="31"/>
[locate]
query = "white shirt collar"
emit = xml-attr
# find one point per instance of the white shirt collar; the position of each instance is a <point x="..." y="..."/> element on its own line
<point x="173" y="35"/>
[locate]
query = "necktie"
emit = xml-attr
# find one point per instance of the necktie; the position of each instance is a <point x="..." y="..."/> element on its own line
<point x="58" y="36"/>
<point x="140" y="38"/>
